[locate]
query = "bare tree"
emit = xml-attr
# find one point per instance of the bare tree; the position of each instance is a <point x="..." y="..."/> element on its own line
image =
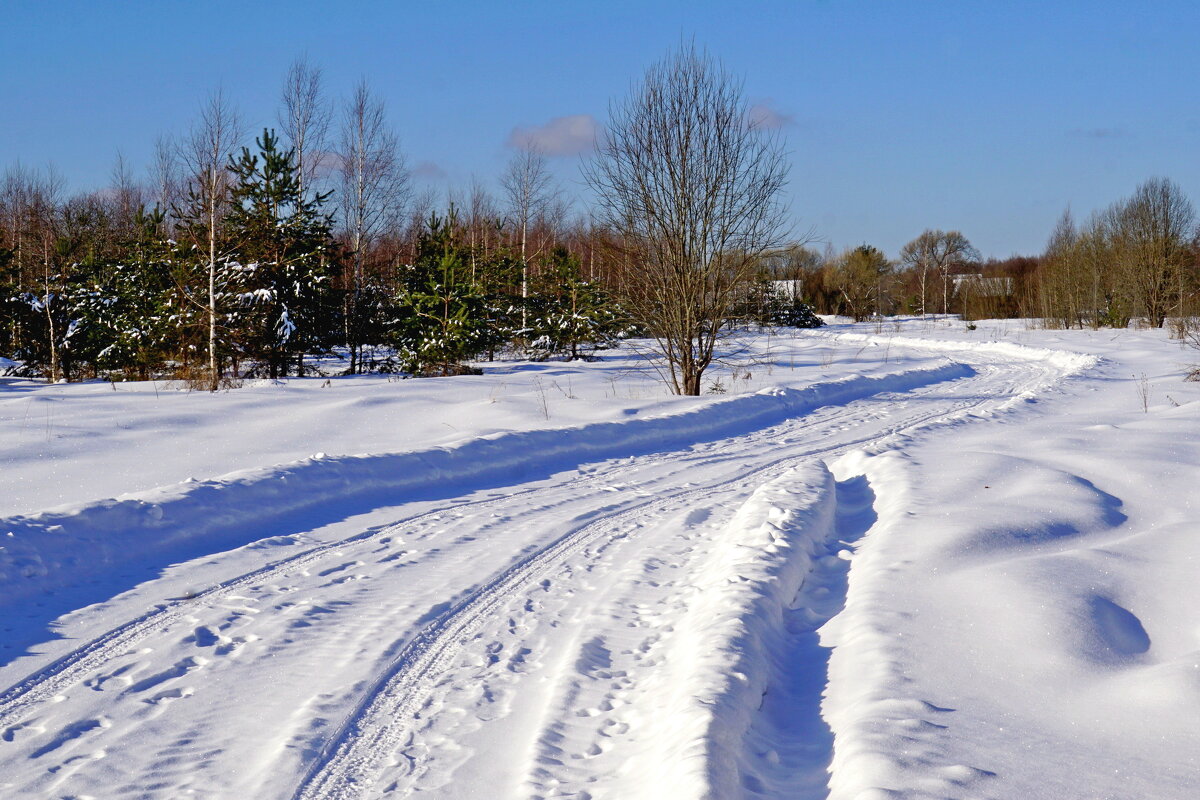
<point x="1062" y="285"/>
<point x="529" y="190"/>
<point x="205" y="156"/>
<point x="165" y="181"/>
<point x="304" y="118"/>
<point x="1153" y="233"/>
<point x="46" y="199"/>
<point x="17" y="203"/>
<point x="937" y="252"/>
<point x="691" y="184"/>
<point x="31" y="204"/>
<point x="127" y="197"/>
<point x="483" y="222"/>
<point x="374" y="192"/>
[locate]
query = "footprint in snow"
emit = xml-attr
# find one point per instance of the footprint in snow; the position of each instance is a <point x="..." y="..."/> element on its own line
<point x="165" y="697"/>
<point x="22" y="730"/>
<point x="70" y="733"/>
<point x="120" y="676"/>
<point x="178" y="670"/>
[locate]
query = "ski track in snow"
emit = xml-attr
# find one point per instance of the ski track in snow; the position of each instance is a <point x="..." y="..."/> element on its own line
<point x="634" y="533"/>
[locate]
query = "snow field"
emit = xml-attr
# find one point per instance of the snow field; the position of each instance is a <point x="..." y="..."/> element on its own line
<point x="69" y="444"/>
<point x="642" y="604"/>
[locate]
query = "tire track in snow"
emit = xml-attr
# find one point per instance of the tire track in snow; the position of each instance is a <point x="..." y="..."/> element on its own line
<point x="366" y="743"/>
<point x="70" y="668"/>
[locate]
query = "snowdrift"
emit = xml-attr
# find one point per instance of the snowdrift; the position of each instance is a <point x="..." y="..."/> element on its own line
<point x="737" y="628"/>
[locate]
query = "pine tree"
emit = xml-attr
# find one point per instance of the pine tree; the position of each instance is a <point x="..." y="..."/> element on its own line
<point x="497" y="276"/>
<point x="125" y="308"/>
<point x="569" y="315"/>
<point x="284" y="299"/>
<point x="442" y="321"/>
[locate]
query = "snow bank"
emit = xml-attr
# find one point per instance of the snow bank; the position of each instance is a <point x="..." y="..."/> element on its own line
<point x="722" y="651"/>
<point x="739" y="623"/>
<point x="863" y="705"/>
<point x="1070" y="363"/>
<point x="1017" y="629"/>
<point x="59" y="547"/>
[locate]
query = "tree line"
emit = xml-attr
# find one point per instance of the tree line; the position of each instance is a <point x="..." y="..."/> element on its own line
<point x="1138" y="260"/>
<point x="239" y="257"/>
<point x="243" y="256"/>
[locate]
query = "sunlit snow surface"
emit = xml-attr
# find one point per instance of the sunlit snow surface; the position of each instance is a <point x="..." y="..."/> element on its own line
<point x="898" y="560"/>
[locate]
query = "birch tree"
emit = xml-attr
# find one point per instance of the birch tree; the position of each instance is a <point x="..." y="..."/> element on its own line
<point x="304" y="118"/>
<point x="205" y="154"/>
<point x="937" y="252"/>
<point x="529" y="190"/>
<point x="374" y="189"/>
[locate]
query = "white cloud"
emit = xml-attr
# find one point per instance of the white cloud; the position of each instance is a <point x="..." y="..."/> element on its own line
<point x="764" y="115"/>
<point x="561" y="136"/>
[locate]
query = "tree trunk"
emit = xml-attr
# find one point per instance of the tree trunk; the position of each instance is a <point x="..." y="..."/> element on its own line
<point x="212" y="293"/>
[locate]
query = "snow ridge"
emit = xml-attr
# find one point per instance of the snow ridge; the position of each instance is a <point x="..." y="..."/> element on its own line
<point x="751" y="580"/>
<point x="880" y="729"/>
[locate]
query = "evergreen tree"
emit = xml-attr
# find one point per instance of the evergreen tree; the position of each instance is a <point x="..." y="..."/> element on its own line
<point x="795" y="313"/>
<point x="569" y="315"/>
<point x="442" y="322"/>
<point x="498" y="279"/>
<point x="768" y="304"/>
<point x="124" y="308"/>
<point x="285" y="306"/>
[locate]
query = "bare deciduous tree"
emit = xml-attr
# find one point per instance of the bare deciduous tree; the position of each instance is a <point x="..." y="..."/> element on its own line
<point x="1134" y="258"/>
<point x="529" y="190"/>
<point x="1061" y="287"/>
<point x="691" y="183"/>
<point x="937" y="252"/>
<point x="31" y="204"/>
<point x="165" y="181"/>
<point x="304" y="118"/>
<point x="127" y="196"/>
<point x="1153" y="233"/>
<point x="483" y="222"/>
<point x="205" y="156"/>
<point x="374" y="191"/>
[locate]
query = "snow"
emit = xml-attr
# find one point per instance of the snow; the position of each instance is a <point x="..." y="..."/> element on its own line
<point x="898" y="560"/>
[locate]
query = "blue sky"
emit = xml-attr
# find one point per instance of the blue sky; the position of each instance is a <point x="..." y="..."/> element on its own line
<point x="988" y="117"/>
